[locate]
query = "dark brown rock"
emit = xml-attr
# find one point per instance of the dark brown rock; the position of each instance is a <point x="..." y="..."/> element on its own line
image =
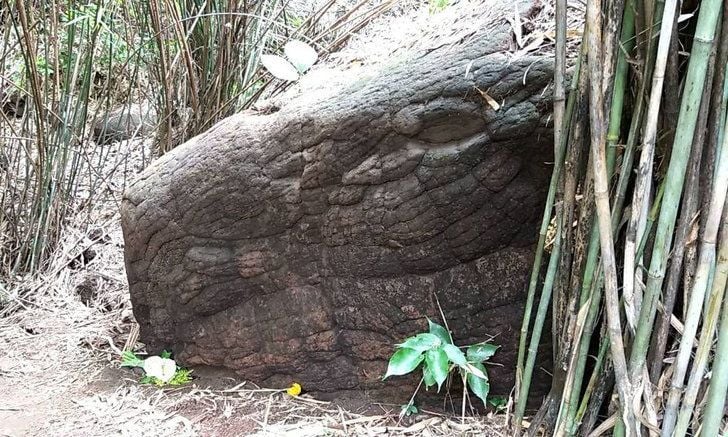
<point x="302" y="245"/>
<point x="125" y="122"/>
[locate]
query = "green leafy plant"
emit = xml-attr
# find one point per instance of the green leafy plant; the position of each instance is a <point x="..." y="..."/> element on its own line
<point x="437" y="356"/>
<point x="158" y="370"/>
<point x="498" y="402"/>
<point x="438" y="5"/>
<point x="408" y="410"/>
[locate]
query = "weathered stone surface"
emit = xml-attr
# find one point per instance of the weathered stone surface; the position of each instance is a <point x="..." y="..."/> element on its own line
<point x="125" y="122"/>
<point x="301" y="245"/>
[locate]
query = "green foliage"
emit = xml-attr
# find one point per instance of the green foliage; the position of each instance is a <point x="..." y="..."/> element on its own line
<point x="181" y="376"/>
<point x="438" y="5"/>
<point x="128" y="359"/>
<point x="408" y="410"/>
<point x="437" y="354"/>
<point x="498" y="402"/>
<point x="68" y="63"/>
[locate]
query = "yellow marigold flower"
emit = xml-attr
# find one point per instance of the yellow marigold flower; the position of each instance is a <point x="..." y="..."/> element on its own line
<point x="294" y="390"/>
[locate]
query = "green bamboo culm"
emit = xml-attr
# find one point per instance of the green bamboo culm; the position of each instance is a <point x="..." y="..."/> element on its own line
<point x="523" y="378"/>
<point x="706" y="267"/>
<point x="718" y="387"/>
<point x="695" y="81"/>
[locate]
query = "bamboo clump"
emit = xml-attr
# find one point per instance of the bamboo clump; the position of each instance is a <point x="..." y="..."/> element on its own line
<point x="643" y="271"/>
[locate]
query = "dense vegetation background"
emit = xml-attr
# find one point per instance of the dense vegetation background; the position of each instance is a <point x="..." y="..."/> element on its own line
<point x="182" y="64"/>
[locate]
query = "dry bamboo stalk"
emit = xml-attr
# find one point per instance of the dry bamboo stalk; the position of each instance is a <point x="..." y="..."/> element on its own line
<point x="601" y="196"/>
<point x="643" y="184"/>
<point x="559" y="73"/>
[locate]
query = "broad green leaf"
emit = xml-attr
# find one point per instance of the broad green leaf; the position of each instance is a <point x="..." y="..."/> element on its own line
<point x="455" y="355"/>
<point x="480" y="352"/>
<point x="470" y="368"/>
<point x="301" y="55"/>
<point x="421" y="342"/>
<point x="438" y="365"/>
<point x="404" y="361"/>
<point x="279" y="67"/>
<point x="499" y="402"/>
<point x="428" y="376"/>
<point x="439" y="331"/>
<point x="479" y="386"/>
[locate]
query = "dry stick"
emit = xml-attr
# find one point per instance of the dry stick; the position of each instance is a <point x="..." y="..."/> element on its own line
<point x="710" y="320"/>
<point x="559" y="72"/>
<point x="561" y="301"/>
<point x="591" y="408"/>
<point x="674" y="180"/>
<point x="695" y="306"/>
<point x="643" y="184"/>
<point x="534" y="428"/>
<point x="576" y="165"/>
<point x="601" y="197"/>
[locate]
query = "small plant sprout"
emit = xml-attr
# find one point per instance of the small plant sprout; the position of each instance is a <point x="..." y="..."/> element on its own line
<point x="299" y="58"/>
<point x="435" y="352"/>
<point x="158" y="370"/>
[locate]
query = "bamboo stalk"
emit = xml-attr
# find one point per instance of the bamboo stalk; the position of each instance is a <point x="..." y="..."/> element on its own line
<point x="710" y="321"/>
<point x="718" y="387"/>
<point x="581" y="344"/>
<point x="538" y="323"/>
<point x="643" y="183"/>
<point x="706" y="265"/>
<point x="688" y="214"/>
<point x="559" y="73"/>
<point x="520" y="394"/>
<point x="674" y="179"/>
<point x="601" y="196"/>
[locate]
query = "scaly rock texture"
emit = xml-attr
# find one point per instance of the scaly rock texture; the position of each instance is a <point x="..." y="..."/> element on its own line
<point x="303" y="244"/>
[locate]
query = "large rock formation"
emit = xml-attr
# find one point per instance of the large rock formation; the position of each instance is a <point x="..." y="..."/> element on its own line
<point x="125" y="122"/>
<point x="303" y="244"/>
